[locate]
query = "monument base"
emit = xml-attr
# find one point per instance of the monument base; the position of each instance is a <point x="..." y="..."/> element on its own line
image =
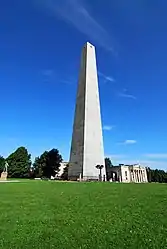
<point x="83" y="179"/>
<point x="90" y="179"/>
<point x="3" y="176"/>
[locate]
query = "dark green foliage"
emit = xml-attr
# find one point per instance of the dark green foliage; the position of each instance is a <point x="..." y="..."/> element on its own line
<point x="108" y="162"/>
<point x="19" y="163"/>
<point x="53" y="163"/>
<point x="64" y="176"/>
<point x="148" y="174"/>
<point x="156" y="175"/>
<point x="37" y="167"/>
<point x="108" y="165"/>
<point x="2" y="164"/>
<point x="47" y="164"/>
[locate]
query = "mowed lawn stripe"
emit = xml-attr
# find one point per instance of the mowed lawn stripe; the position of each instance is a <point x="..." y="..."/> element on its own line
<point x="44" y="214"/>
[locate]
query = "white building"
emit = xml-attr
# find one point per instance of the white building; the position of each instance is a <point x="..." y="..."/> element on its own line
<point x="121" y="173"/>
<point x="128" y="173"/>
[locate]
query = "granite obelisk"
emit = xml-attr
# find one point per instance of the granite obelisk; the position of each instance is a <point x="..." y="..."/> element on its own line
<point x="87" y="139"/>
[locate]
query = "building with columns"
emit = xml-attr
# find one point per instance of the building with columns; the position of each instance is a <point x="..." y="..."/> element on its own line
<point x="127" y="173"/>
<point x="121" y="173"/>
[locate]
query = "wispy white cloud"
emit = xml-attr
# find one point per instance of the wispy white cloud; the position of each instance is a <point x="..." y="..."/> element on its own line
<point x="108" y="127"/>
<point x="75" y="13"/>
<point x="157" y="155"/>
<point x="129" y="141"/>
<point x="125" y="95"/>
<point x="106" y="78"/>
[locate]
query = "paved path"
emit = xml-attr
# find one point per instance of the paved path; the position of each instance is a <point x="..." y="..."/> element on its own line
<point x="9" y="181"/>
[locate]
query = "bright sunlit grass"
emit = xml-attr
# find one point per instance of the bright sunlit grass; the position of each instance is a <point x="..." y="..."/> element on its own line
<point x="45" y="214"/>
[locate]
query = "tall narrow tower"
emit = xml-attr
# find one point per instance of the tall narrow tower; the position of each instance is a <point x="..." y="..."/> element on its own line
<point x="87" y="140"/>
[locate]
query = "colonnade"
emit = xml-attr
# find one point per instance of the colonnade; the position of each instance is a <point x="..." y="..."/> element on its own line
<point x="138" y="175"/>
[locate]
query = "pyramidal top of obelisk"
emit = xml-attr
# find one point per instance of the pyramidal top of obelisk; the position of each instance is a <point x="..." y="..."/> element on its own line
<point x="87" y="140"/>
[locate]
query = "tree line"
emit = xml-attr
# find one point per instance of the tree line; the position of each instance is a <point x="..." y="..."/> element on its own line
<point x="20" y="164"/>
<point x="48" y="164"/>
<point x="156" y="175"/>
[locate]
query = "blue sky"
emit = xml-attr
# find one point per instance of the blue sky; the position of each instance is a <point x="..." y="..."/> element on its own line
<point x="40" y="48"/>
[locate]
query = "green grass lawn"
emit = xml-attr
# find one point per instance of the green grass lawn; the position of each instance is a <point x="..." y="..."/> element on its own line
<point x="44" y="214"/>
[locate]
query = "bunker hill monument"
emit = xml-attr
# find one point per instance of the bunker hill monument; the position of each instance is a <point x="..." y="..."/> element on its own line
<point x="87" y="140"/>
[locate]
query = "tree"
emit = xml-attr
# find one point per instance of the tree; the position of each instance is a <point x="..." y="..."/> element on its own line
<point x="53" y="163"/>
<point x="108" y="162"/>
<point x="47" y="164"/>
<point x="2" y="164"/>
<point x="148" y="170"/>
<point x="156" y="175"/>
<point x="37" y="168"/>
<point x="40" y="165"/>
<point x="108" y="165"/>
<point x="64" y="176"/>
<point x="19" y="163"/>
<point x="100" y="167"/>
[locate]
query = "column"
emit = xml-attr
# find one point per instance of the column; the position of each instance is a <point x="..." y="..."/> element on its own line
<point x="131" y="175"/>
<point x="141" y="172"/>
<point x="140" y="175"/>
<point x="135" y="177"/>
